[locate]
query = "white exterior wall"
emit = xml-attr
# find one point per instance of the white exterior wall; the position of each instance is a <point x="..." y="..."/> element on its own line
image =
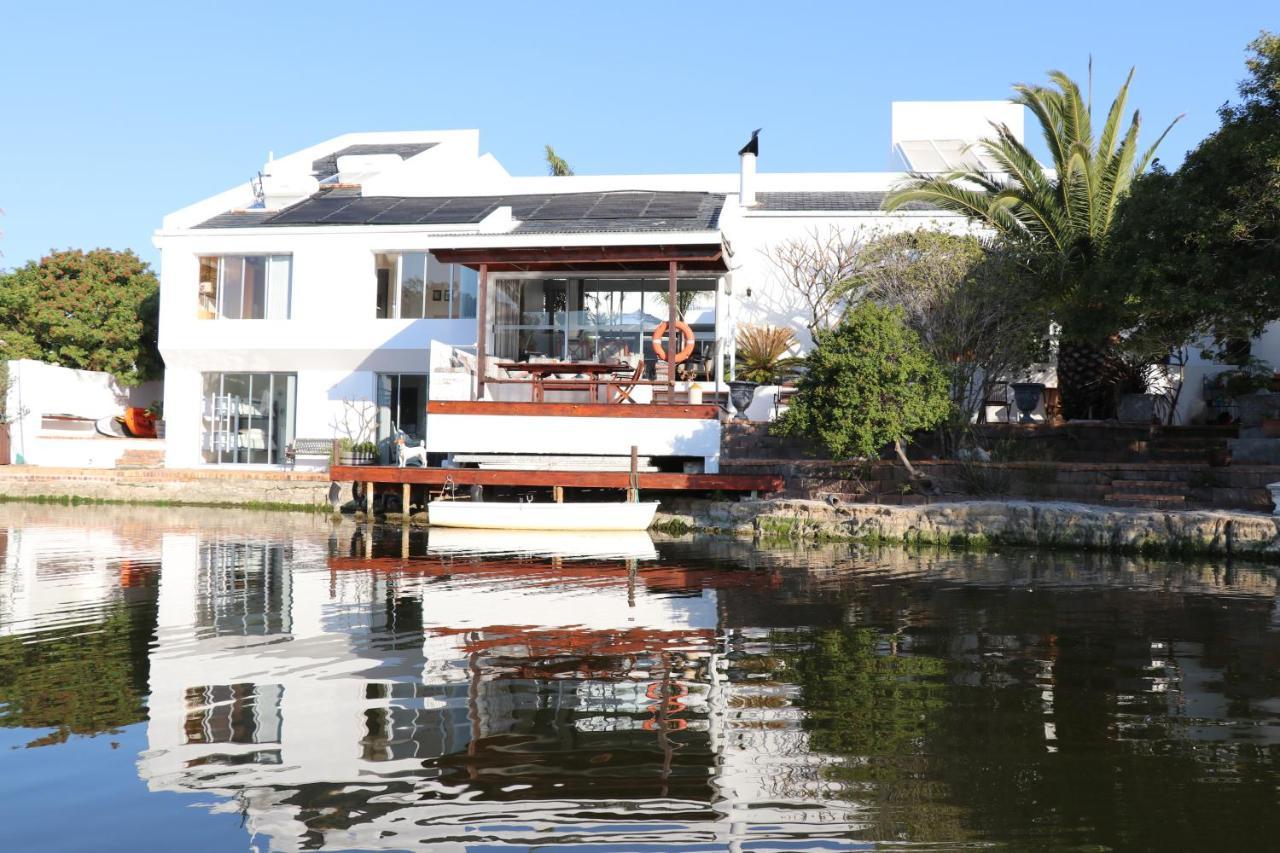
<point x="576" y="436"/>
<point x="752" y="233"/>
<point x="1191" y="404"/>
<point x="37" y="389"/>
<point x="332" y="340"/>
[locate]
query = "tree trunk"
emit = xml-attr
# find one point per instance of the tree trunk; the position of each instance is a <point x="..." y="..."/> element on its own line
<point x="902" y="457"/>
<point x="1087" y="376"/>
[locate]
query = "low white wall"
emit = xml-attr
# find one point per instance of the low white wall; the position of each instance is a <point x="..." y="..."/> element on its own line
<point x="575" y="436"/>
<point x="37" y="389"/>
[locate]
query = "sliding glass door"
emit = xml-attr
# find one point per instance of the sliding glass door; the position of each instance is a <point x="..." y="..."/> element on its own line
<point x="248" y="418"/>
<point x="402" y="404"/>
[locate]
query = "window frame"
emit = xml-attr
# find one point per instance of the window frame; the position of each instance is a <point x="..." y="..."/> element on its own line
<point x="270" y="295"/>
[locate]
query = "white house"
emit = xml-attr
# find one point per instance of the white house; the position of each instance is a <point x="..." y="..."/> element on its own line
<point x="357" y="279"/>
<point x="355" y="286"/>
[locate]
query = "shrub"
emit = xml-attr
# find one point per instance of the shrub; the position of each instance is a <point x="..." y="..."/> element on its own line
<point x="869" y="382"/>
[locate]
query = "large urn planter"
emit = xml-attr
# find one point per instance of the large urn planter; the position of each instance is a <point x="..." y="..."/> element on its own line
<point x="741" y="394"/>
<point x="1026" y="396"/>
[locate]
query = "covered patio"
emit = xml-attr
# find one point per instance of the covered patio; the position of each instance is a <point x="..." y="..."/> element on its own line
<point x="611" y="325"/>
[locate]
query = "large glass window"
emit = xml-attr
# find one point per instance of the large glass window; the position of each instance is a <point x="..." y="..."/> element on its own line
<point x="245" y="287"/>
<point x="248" y="418"/>
<point x="598" y="319"/>
<point x="414" y="285"/>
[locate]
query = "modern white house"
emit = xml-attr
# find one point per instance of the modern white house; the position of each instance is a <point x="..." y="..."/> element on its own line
<point x="406" y="280"/>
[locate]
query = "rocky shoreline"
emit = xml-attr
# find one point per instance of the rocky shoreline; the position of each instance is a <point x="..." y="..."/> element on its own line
<point x="978" y="524"/>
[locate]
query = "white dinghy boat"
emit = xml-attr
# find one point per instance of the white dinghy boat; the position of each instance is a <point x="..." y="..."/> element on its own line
<point x="511" y="515"/>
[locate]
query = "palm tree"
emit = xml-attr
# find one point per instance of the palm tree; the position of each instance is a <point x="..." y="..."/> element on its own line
<point x="557" y="166"/>
<point x="1063" y="215"/>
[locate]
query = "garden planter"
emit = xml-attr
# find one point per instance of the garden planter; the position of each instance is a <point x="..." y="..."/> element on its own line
<point x="1026" y="395"/>
<point x="741" y="394"/>
<point x="159" y="427"/>
<point x="348" y="458"/>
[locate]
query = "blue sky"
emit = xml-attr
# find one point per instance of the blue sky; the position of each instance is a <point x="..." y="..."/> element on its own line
<point x="117" y="113"/>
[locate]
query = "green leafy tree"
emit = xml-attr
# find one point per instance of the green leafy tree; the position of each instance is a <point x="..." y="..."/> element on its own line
<point x="868" y="382"/>
<point x="1065" y="214"/>
<point x="968" y="301"/>
<point x="557" y="166"/>
<point x="1197" y="250"/>
<point x="94" y="310"/>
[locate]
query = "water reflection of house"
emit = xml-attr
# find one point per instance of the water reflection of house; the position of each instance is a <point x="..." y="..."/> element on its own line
<point x="52" y="576"/>
<point x="352" y="706"/>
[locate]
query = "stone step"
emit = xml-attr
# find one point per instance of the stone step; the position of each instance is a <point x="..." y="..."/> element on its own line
<point x="1145" y="499"/>
<point x="140" y="459"/>
<point x="1163" y="487"/>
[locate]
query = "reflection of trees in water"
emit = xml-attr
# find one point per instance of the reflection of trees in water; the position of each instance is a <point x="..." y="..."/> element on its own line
<point x="1084" y="699"/>
<point x="91" y="682"/>
<point x="874" y="708"/>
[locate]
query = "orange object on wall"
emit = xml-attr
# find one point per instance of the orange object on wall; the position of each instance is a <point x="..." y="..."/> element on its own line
<point x="139" y="423"/>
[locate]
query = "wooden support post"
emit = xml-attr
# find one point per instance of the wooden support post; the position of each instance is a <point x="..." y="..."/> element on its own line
<point x="557" y="494"/>
<point x="633" y="484"/>
<point x="404" y="542"/>
<point x="482" y="312"/>
<point x="672" y="318"/>
<point x="404" y="502"/>
<point x="368" y="501"/>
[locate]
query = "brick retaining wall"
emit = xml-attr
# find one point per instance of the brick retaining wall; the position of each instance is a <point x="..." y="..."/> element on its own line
<point x="232" y="488"/>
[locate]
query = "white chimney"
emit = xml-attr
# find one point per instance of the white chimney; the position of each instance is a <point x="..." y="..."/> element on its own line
<point x="747" y="171"/>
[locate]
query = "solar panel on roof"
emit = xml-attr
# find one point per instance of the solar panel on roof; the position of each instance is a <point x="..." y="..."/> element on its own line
<point x="360" y="210"/>
<point x="574" y="206"/>
<point x="461" y="210"/>
<point x="406" y="212"/>
<point x="309" y="212"/>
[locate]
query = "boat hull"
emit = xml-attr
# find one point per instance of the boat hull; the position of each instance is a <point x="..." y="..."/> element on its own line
<point x="502" y="515"/>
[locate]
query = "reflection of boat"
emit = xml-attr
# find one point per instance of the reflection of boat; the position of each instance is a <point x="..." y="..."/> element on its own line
<point x="589" y="544"/>
<point x="506" y="515"/>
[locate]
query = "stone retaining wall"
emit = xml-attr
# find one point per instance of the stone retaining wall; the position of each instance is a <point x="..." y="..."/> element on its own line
<point x="231" y="488"/>
<point x="977" y="523"/>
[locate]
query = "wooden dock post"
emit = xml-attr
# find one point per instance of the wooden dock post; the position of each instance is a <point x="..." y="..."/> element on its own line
<point x="404" y="502"/>
<point x="557" y="494"/>
<point x="368" y="501"/>
<point x="633" y="484"/>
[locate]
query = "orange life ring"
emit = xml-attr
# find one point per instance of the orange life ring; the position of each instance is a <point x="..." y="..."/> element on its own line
<point x="684" y="353"/>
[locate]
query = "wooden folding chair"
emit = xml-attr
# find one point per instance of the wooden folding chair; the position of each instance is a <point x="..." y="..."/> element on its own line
<point x="620" y="391"/>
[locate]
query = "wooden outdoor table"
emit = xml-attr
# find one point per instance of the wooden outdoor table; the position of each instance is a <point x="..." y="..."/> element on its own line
<point x="540" y="371"/>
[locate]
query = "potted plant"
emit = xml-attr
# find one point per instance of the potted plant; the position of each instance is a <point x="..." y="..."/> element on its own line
<point x="156" y="410"/>
<point x="352" y="452"/>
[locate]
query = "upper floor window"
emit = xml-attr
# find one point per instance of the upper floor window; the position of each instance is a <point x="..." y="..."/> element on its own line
<point x="414" y="285"/>
<point x="245" y="287"/>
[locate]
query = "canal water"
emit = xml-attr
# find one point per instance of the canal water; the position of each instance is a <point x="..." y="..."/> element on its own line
<point x="204" y="680"/>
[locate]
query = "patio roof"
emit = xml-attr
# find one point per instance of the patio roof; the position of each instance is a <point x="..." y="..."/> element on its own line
<point x="699" y="257"/>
